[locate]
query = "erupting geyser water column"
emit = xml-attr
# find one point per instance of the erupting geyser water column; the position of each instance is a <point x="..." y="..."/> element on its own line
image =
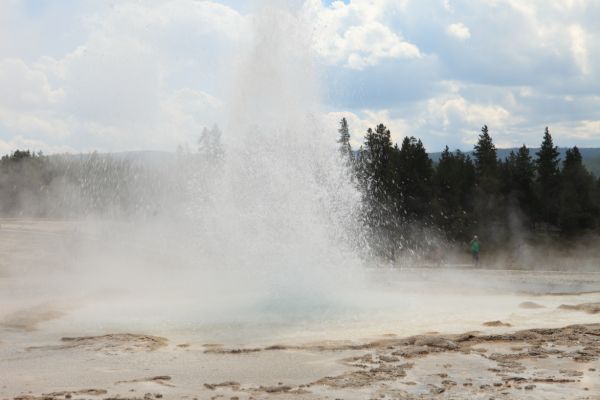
<point x="279" y="213"/>
<point x="262" y="231"/>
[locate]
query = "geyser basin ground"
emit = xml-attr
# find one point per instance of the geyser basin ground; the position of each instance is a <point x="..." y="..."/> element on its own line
<point x="164" y="330"/>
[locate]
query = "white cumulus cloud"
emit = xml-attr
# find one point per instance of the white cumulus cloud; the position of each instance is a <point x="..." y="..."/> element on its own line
<point x="579" y="48"/>
<point x="357" y="34"/>
<point x="459" y="31"/>
<point x="120" y="87"/>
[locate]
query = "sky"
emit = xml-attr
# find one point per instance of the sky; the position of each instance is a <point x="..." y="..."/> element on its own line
<point x="84" y="75"/>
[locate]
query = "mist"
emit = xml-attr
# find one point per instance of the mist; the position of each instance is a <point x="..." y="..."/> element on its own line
<point x="271" y="258"/>
<point x="259" y="222"/>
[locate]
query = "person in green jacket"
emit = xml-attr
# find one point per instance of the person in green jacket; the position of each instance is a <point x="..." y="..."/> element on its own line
<point x="475" y="247"/>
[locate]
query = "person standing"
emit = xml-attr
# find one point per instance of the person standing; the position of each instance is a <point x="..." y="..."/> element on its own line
<point x="475" y="247"/>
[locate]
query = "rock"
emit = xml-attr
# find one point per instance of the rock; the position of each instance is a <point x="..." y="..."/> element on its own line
<point x="217" y="350"/>
<point x="276" y="347"/>
<point x="530" y="305"/>
<point x="436" y="342"/>
<point x="160" y="378"/>
<point x="436" y="389"/>
<point x="412" y="351"/>
<point x="590" y="308"/>
<point x="465" y="337"/>
<point x="111" y="344"/>
<point x="570" y="372"/>
<point x="276" y="389"/>
<point x="230" y="384"/>
<point x="496" y="323"/>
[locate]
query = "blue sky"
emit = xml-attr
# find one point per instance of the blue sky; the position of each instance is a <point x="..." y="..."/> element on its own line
<point x="131" y="75"/>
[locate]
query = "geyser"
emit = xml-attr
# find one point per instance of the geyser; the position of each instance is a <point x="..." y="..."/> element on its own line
<point x="259" y="226"/>
<point x="258" y="229"/>
<point x="279" y="208"/>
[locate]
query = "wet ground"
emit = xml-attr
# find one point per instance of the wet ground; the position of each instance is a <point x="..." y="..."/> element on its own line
<point x="407" y="333"/>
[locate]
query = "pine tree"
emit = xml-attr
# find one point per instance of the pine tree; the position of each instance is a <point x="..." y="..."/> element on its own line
<point x="507" y="174"/>
<point x="489" y="205"/>
<point x="548" y="180"/>
<point x="578" y="209"/>
<point x="344" y="141"/>
<point x="486" y="161"/>
<point x="453" y="183"/>
<point x="516" y="176"/>
<point x="379" y="190"/>
<point x="210" y="148"/>
<point x="524" y="173"/>
<point x="376" y="158"/>
<point x="413" y="172"/>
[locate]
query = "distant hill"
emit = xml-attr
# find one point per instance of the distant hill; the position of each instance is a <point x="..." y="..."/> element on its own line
<point x="591" y="156"/>
<point x="158" y="159"/>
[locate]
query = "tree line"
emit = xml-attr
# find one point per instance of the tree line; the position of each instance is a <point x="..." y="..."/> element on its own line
<point x="108" y="185"/>
<point x="64" y="186"/>
<point x="409" y="199"/>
